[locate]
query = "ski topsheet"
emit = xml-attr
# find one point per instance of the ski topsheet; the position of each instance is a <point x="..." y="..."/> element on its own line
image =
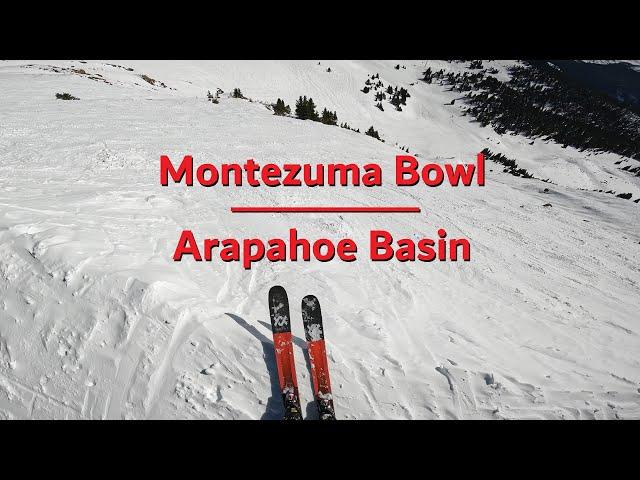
<point x="312" y="318"/>
<point x="281" y="326"/>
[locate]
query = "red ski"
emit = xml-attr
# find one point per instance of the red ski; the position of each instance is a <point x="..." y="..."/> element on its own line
<point x="312" y="318"/>
<point x="281" y="327"/>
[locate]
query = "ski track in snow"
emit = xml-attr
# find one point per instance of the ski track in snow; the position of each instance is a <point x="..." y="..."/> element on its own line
<point x="97" y="321"/>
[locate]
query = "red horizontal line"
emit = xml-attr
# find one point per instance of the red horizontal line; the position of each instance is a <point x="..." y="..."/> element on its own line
<point x="325" y="209"/>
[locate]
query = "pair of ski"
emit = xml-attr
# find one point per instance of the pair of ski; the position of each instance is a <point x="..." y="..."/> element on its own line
<point x="282" y="341"/>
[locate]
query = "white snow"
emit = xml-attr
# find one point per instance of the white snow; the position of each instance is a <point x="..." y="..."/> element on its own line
<point x="98" y="321"/>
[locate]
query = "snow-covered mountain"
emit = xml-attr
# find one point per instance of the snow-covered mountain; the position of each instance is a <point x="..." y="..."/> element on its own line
<point x="618" y="79"/>
<point x="98" y="321"/>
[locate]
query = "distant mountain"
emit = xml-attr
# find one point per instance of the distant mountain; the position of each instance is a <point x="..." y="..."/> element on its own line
<point x="540" y="101"/>
<point x="618" y="79"/>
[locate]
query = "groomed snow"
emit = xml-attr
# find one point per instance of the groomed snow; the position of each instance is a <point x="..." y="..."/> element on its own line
<point x="98" y="321"/>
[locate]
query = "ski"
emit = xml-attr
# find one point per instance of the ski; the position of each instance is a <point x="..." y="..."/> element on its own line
<point x="281" y="327"/>
<point x="313" y="330"/>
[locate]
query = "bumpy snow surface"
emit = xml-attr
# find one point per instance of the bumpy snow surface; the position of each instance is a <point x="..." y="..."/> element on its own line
<point x="98" y="321"/>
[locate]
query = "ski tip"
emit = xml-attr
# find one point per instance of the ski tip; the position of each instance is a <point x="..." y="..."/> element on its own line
<point x="277" y="290"/>
<point x="279" y="310"/>
<point x="310" y="302"/>
<point x="312" y="318"/>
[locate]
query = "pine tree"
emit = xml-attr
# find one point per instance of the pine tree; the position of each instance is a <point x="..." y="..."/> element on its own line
<point x="326" y="117"/>
<point x="311" y="111"/>
<point x="306" y="109"/>
<point x="372" y="133"/>
<point x="404" y="94"/>
<point x="427" y="75"/>
<point x="237" y="93"/>
<point x="279" y="108"/>
<point x="300" y="108"/>
<point x="395" y="101"/>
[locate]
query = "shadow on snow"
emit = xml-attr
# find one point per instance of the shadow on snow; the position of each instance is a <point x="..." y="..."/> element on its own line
<point x="274" y="409"/>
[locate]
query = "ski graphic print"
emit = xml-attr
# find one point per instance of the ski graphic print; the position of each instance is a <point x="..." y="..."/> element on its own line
<point x="314" y="333"/>
<point x="282" y="342"/>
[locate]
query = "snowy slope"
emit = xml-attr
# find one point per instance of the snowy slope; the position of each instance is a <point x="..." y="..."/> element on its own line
<point x="97" y="320"/>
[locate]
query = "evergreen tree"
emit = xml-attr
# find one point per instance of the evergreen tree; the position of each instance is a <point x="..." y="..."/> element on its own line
<point x="306" y="109"/>
<point x="328" y="117"/>
<point x="427" y="75"/>
<point x="300" y="107"/>
<point x="237" y="93"/>
<point x="279" y="108"/>
<point x="311" y="111"/>
<point x="372" y="133"/>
